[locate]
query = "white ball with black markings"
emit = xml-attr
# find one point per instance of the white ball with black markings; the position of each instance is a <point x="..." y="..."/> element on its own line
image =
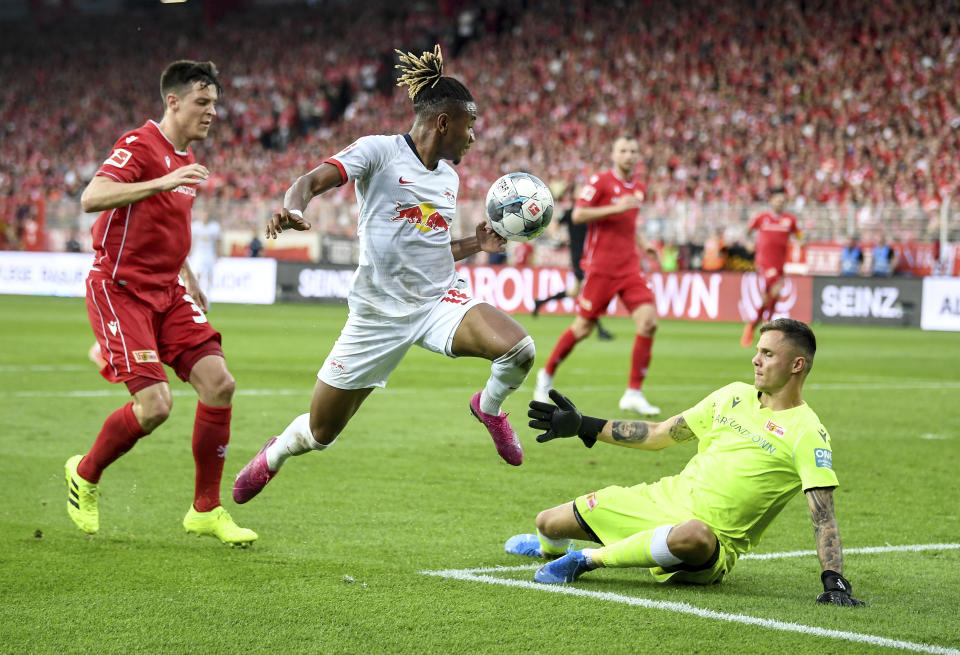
<point x="519" y="206"/>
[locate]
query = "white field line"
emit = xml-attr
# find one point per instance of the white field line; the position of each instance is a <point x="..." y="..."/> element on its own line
<point x="307" y="389"/>
<point x="478" y="575"/>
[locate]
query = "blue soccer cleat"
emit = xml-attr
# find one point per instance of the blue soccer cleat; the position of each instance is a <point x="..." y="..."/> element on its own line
<point x="564" y="570"/>
<point x="523" y="544"/>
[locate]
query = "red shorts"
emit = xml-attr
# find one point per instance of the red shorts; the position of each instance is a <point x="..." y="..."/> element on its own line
<point x="598" y="290"/>
<point x="770" y="274"/>
<point x="137" y="336"/>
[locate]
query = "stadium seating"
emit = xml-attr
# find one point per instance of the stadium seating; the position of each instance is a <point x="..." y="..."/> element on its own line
<point x="854" y="106"/>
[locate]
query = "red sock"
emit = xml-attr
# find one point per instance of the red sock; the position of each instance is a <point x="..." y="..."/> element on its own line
<point x="640" y="361"/>
<point x="768" y="309"/>
<point x="565" y="344"/>
<point x="118" y="434"/>
<point x="211" y="432"/>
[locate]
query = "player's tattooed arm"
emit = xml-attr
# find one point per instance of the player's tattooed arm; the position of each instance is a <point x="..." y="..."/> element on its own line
<point x="680" y="431"/>
<point x="630" y="431"/>
<point x="646" y="435"/>
<point x="825" y="530"/>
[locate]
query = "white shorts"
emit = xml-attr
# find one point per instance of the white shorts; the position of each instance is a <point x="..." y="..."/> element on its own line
<point x="370" y="347"/>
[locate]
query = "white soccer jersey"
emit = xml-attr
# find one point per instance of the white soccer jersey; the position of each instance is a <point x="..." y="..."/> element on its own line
<point x="204" y="238"/>
<point x="404" y="225"/>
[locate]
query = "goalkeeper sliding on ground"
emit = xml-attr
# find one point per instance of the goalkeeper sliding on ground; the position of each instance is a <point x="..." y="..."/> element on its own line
<point x="758" y="446"/>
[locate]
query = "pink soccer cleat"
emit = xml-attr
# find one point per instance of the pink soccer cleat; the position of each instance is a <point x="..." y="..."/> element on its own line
<point x="254" y="476"/>
<point x="504" y="438"/>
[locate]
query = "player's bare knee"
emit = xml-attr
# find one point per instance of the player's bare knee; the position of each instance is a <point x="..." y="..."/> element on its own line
<point x="546" y="525"/>
<point x="152" y="413"/>
<point x="582" y="330"/>
<point x="692" y="541"/>
<point x="324" y="433"/>
<point x="220" y="392"/>
<point x="647" y="328"/>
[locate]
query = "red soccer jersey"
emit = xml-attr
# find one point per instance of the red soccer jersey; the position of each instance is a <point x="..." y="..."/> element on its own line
<point x="773" y="235"/>
<point x="610" y="245"/>
<point x="145" y="244"/>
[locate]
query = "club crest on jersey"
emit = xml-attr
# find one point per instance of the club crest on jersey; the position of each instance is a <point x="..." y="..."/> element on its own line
<point x="146" y="356"/>
<point x="424" y="217"/>
<point x="774" y="429"/>
<point x="591" y="499"/>
<point x="118" y="158"/>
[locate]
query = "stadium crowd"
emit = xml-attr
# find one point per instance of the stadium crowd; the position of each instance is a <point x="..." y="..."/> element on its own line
<point x="853" y="104"/>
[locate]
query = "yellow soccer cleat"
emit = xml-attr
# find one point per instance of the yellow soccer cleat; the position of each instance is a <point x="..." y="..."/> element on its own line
<point x="217" y="523"/>
<point x="81" y="498"/>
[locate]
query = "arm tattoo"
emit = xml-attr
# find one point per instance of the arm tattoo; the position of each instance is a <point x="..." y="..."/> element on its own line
<point x="680" y="431"/>
<point x="631" y="431"/>
<point x="825" y="529"/>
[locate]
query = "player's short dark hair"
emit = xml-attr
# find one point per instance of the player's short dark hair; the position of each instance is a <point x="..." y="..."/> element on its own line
<point x="180" y="76"/>
<point x="798" y="334"/>
<point x="778" y="190"/>
<point x="430" y="90"/>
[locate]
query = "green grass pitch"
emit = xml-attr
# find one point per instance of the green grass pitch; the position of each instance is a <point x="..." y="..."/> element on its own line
<point x="414" y="484"/>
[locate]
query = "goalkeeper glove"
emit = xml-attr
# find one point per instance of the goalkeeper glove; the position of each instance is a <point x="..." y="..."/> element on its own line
<point x="563" y="420"/>
<point x="837" y="590"/>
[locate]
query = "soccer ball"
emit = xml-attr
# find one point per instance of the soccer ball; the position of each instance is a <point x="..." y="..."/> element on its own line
<point x="519" y="206"/>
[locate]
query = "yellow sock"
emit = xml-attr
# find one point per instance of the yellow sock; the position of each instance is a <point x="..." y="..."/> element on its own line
<point x="552" y="547"/>
<point x="646" y="549"/>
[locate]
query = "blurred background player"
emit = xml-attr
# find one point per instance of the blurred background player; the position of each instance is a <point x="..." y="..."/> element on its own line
<point x="576" y="233"/>
<point x="406" y="290"/>
<point x="759" y="445"/>
<point x="773" y="230"/>
<point x="609" y="204"/>
<point x="204" y="248"/>
<point x="141" y="314"/>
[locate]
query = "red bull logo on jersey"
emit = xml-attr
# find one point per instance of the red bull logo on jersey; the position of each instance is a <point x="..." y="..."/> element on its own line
<point x="424" y="217"/>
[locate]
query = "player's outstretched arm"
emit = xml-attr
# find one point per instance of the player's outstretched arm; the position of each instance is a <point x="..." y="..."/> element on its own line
<point x="836" y="588"/>
<point x="103" y="193"/>
<point x="563" y="419"/>
<point x="320" y="180"/>
<point x="590" y="214"/>
<point x="647" y="435"/>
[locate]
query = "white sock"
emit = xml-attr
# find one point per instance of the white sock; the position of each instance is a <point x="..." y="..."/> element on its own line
<point x="550" y="546"/>
<point x="659" y="551"/>
<point x="297" y="439"/>
<point x="588" y="555"/>
<point x="507" y="373"/>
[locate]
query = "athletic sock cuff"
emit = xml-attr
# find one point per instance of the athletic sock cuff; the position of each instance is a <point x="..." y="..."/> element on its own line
<point x="130" y="421"/>
<point x="210" y="414"/>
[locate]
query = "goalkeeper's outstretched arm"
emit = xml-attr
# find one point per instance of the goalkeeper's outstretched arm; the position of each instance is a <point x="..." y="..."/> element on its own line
<point x="647" y="435"/>
<point x="563" y="419"/>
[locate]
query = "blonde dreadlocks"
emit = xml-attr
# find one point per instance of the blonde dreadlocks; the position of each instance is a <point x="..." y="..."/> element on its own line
<point x="426" y="84"/>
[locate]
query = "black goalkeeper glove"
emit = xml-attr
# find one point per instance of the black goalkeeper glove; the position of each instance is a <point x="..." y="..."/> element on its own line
<point x="563" y="420"/>
<point x="836" y="590"/>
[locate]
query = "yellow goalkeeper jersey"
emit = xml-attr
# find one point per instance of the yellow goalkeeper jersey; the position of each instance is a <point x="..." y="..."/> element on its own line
<point x="750" y="462"/>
